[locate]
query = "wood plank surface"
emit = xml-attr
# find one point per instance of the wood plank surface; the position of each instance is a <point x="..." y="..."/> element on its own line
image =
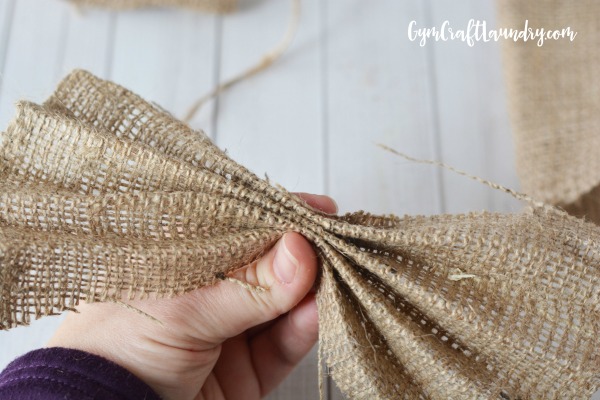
<point x="7" y="9"/>
<point x="88" y="42"/>
<point x="33" y="60"/>
<point x="377" y="90"/>
<point x="168" y="57"/>
<point x="471" y="112"/>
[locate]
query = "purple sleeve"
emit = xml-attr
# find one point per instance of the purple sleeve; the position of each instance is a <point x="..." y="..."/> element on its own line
<point x="59" y="373"/>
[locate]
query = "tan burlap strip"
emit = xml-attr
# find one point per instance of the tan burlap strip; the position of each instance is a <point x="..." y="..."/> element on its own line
<point x="219" y="6"/>
<point x="554" y="102"/>
<point x="103" y="193"/>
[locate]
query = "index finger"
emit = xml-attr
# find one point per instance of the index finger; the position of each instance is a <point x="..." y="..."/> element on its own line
<point x="319" y="202"/>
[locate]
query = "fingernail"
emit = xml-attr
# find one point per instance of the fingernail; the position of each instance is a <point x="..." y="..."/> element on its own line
<point x="335" y="204"/>
<point x="285" y="264"/>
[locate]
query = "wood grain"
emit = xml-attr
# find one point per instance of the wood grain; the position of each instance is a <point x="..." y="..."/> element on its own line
<point x="7" y="9"/>
<point x="33" y="60"/>
<point x="471" y="113"/>
<point x="377" y="88"/>
<point x="168" y="57"/>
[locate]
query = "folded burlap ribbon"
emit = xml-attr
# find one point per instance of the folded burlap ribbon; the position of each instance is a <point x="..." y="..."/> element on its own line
<point x="103" y="193"/>
<point x="219" y="6"/>
<point x="554" y="102"/>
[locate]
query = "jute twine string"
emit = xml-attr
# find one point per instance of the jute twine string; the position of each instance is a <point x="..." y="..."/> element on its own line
<point x="266" y="61"/>
<point x="105" y="197"/>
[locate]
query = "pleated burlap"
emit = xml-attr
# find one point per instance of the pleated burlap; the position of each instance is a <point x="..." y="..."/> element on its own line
<point x="218" y="6"/>
<point x="554" y="102"/>
<point x="103" y="193"/>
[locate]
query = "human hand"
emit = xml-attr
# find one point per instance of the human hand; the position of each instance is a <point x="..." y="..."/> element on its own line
<point x="217" y="342"/>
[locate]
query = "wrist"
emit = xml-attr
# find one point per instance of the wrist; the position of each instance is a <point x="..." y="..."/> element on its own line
<point x="106" y="330"/>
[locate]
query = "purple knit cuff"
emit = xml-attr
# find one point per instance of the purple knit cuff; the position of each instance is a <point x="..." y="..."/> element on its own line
<point x="59" y="373"/>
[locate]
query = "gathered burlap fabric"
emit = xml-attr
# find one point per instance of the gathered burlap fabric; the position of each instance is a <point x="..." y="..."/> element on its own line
<point x="554" y="102"/>
<point x="219" y="6"/>
<point x="102" y="194"/>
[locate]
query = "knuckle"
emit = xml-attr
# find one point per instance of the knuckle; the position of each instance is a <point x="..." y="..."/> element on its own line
<point x="264" y="301"/>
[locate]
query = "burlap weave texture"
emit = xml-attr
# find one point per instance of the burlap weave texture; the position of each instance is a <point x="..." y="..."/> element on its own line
<point x="554" y="103"/>
<point x="218" y="6"/>
<point x="102" y="193"/>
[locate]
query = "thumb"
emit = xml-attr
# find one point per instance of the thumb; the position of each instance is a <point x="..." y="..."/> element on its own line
<point x="287" y="273"/>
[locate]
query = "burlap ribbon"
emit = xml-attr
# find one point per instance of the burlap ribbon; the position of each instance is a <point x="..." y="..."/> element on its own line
<point x="219" y="6"/>
<point x="102" y="192"/>
<point x="555" y="103"/>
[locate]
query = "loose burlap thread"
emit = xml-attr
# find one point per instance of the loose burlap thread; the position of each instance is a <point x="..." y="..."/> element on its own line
<point x="217" y="6"/>
<point x="553" y="101"/>
<point x="102" y="193"/>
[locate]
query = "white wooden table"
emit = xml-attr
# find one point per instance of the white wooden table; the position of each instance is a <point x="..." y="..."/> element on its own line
<point x="350" y="80"/>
